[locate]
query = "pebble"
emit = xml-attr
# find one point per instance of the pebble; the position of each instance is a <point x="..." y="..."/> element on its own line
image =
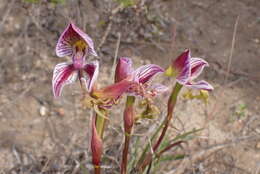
<point x="258" y="145"/>
<point x="43" y="111"/>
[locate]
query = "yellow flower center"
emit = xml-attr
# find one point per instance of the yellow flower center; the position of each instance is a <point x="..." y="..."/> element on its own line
<point x="171" y="72"/>
<point x="80" y="45"/>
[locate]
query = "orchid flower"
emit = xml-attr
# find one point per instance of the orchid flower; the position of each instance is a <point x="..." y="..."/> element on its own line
<point x="140" y="78"/>
<point x="77" y="44"/>
<point x="186" y="68"/>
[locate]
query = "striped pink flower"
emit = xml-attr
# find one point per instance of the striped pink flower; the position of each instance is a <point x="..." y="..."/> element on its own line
<point x="140" y="77"/>
<point x="186" y="68"/>
<point x="77" y="44"/>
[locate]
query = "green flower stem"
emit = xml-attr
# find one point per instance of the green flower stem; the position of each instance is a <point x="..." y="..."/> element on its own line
<point x="100" y="122"/>
<point x="128" y="125"/>
<point x="171" y="105"/>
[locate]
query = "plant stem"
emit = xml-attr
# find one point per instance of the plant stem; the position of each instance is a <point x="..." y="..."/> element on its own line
<point x="100" y="122"/>
<point x="97" y="170"/>
<point x="125" y="154"/>
<point x="128" y="125"/>
<point x="171" y="105"/>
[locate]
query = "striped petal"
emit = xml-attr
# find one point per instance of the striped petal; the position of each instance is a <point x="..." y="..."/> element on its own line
<point x="123" y="68"/>
<point x="70" y="36"/>
<point x="182" y="67"/>
<point x="200" y="85"/>
<point x="144" y="73"/>
<point x="64" y="74"/>
<point x="92" y="70"/>
<point x="197" y="66"/>
<point x="158" y="88"/>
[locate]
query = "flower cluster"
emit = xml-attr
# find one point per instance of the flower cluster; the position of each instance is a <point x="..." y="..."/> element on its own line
<point x="76" y="44"/>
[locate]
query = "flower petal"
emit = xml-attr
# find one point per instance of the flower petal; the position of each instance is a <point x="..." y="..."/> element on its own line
<point x="86" y="38"/>
<point x="123" y="68"/>
<point x="197" y="66"/>
<point x="200" y="85"/>
<point x="113" y="91"/>
<point x="182" y="67"/>
<point x="71" y="35"/>
<point x="64" y="74"/>
<point x="158" y="88"/>
<point x="66" y="40"/>
<point x="146" y="72"/>
<point x="92" y="70"/>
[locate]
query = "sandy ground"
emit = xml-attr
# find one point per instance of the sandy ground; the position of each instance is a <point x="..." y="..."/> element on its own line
<point x="37" y="130"/>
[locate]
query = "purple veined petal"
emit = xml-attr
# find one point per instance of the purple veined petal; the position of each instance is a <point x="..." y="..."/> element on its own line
<point x="158" y="88"/>
<point x="70" y="36"/>
<point x="197" y="66"/>
<point x="86" y="38"/>
<point x="64" y="74"/>
<point x="123" y="68"/>
<point x="200" y="85"/>
<point x="92" y="70"/>
<point x="65" y="42"/>
<point x="182" y="67"/>
<point x="144" y="73"/>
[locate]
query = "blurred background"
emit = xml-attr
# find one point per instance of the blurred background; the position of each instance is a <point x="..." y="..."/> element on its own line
<point x="40" y="134"/>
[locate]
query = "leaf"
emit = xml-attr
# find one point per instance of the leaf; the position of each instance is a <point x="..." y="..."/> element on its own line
<point x="187" y="135"/>
<point x="171" y="157"/>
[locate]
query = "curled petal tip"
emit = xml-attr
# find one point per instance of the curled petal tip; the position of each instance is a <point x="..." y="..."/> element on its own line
<point x="197" y="66"/>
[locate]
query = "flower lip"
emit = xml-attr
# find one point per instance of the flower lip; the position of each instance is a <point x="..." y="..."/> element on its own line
<point x="64" y="74"/>
<point x="72" y="37"/>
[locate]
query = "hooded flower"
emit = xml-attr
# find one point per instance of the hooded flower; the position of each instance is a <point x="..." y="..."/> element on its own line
<point x="140" y="77"/>
<point x="74" y="42"/>
<point x="186" y="68"/>
<point x="77" y="44"/>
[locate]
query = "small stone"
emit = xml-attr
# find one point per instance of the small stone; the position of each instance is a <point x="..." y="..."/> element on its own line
<point x="256" y="40"/>
<point x="43" y="111"/>
<point x="258" y="145"/>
